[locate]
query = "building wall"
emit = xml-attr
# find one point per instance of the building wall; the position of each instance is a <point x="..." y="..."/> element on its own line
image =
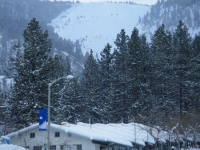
<point x="65" y="139"/>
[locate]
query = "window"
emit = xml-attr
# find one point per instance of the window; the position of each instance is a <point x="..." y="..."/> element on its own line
<point x="37" y="147"/>
<point x="57" y="134"/>
<point x="70" y="147"/>
<point x="53" y="147"/>
<point x="32" y="135"/>
<point x="78" y="147"/>
<point x="62" y="147"/>
<point x="26" y="147"/>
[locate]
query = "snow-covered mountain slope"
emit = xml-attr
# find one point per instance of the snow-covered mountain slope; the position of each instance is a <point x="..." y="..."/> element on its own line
<point x="169" y="13"/>
<point x="96" y="24"/>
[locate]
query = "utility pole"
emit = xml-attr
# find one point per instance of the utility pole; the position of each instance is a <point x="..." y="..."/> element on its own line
<point x="69" y="77"/>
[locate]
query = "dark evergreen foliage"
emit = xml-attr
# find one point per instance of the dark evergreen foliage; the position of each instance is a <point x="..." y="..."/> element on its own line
<point x="66" y="101"/>
<point x="182" y="46"/>
<point x="89" y="89"/>
<point x="105" y="68"/>
<point x="120" y="78"/>
<point x="162" y="74"/>
<point x="33" y="70"/>
<point x="195" y="75"/>
<point x="137" y="73"/>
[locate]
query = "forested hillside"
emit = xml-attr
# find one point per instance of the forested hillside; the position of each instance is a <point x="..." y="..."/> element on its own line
<point x="170" y="12"/>
<point x="14" y="17"/>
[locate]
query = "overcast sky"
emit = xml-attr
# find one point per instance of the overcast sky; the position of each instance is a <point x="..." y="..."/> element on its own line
<point x="149" y="2"/>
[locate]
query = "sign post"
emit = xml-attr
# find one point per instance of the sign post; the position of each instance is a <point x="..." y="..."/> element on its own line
<point x="42" y="119"/>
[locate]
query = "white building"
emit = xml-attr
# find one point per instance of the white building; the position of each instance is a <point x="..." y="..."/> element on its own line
<point x="82" y="136"/>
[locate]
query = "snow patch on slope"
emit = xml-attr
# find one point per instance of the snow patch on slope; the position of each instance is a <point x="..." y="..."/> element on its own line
<point x="96" y="24"/>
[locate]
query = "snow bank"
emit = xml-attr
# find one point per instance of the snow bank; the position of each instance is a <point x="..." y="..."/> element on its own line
<point x="10" y="147"/>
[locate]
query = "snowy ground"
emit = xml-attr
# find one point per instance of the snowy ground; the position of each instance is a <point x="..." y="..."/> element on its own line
<point x="10" y="147"/>
<point x="96" y="24"/>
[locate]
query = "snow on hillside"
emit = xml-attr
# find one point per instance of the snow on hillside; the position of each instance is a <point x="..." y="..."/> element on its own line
<point x="96" y="24"/>
<point x="170" y="14"/>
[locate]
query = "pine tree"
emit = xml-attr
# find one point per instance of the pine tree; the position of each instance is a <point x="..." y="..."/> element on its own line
<point x="194" y="103"/>
<point x="162" y="85"/>
<point x="181" y="44"/>
<point x="68" y="102"/>
<point x="32" y="73"/>
<point x="159" y="50"/>
<point x="89" y="89"/>
<point x="137" y="72"/>
<point x="63" y="69"/>
<point x="105" y="69"/>
<point x="120" y="78"/>
<point x="114" y="102"/>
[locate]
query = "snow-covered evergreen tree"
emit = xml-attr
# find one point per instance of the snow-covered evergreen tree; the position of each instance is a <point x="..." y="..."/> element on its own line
<point x="91" y="106"/>
<point x="33" y="71"/>
<point x="162" y="85"/>
<point x="195" y="75"/>
<point x="182" y="47"/>
<point x="63" y="69"/>
<point x="137" y="75"/>
<point x="105" y="69"/>
<point x="120" y="78"/>
<point x="67" y="101"/>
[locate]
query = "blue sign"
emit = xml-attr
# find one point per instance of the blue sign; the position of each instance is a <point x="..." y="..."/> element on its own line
<point x="42" y="119"/>
<point x="5" y="140"/>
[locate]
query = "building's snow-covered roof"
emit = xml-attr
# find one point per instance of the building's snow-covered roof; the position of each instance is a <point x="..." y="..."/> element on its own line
<point x="32" y="127"/>
<point x="119" y="133"/>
